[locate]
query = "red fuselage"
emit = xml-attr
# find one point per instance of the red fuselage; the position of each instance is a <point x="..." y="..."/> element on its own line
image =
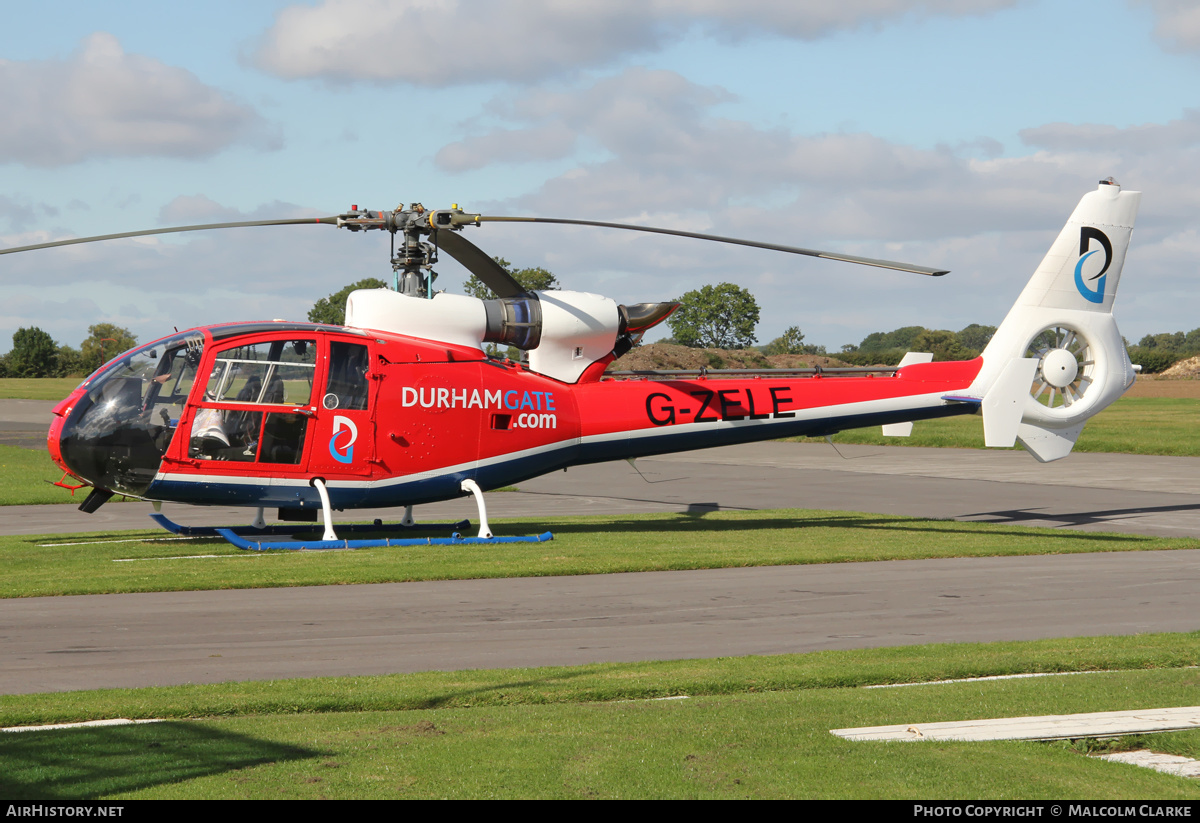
<point x="248" y="414"/>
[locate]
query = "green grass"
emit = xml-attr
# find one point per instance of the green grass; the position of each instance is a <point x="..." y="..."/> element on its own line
<point x="84" y="564"/>
<point x="37" y="388"/>
<point x="1132" y="425"/>
<point x="26" y="478"/>
<point x="749" y="727"/>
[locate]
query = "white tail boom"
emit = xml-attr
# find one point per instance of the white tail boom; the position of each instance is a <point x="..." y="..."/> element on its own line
<point x="1058" y="359"/>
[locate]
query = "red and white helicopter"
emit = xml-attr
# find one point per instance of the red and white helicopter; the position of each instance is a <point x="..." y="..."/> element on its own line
<point x="403" y="405"/>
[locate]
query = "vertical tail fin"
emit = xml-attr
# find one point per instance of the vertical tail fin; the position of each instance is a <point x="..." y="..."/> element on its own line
<point x="1061" y="334"/>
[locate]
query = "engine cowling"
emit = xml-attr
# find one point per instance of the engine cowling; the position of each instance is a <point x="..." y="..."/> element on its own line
<point x="563" y="331"/>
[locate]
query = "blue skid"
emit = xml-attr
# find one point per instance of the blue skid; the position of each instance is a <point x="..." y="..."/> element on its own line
<point x="363" y="528"/>
<point x="453" y="540"/>
<point x="238" y="536"/>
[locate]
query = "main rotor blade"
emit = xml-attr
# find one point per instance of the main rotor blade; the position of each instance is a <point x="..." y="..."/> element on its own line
<point x="473" y="258"/>
<point x="828" y="255"/>
<point x="292" y="222"/>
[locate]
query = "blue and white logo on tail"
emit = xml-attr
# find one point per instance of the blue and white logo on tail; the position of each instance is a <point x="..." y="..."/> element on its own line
<point x="341" y="448"/>
<point x="1086" y="235"/>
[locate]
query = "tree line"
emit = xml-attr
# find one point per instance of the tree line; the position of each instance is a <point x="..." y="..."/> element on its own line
<point x="1158" y="352"/>
<point x="34" y="353"/>
<point x="725" y="316"/>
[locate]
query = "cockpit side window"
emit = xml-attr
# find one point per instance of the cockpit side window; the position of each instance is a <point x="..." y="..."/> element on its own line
<point x="277" y="371"/>
<point x="348" y="386"/>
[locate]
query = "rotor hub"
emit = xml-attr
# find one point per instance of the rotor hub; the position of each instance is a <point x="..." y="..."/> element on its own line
<point x="1059" y="368"/>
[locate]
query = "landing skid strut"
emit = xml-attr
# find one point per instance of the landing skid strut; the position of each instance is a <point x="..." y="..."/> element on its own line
<point x="329" y="540"/>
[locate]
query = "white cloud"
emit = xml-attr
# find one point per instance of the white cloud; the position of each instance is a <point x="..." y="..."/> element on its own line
<point x="441" y="43"/>
<point x="187" y="209"/>
<point x="103" y="102"/>
<point x="1177" y="23"/>
<point x="1149" y="137"/>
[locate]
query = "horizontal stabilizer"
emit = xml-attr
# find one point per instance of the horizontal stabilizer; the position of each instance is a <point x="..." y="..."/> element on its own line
<point x="912" y="357"/>
<point x="1005" y="400"/>
<point x="905" y="429"/>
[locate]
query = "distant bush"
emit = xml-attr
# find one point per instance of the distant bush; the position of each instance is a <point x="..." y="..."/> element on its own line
<point x="887" y="357"/>
<point x="1152" y="360"/>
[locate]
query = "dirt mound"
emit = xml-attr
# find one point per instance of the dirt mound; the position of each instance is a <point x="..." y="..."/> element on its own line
<point x="1184" y="369"/>
<point x="672" y="356"/>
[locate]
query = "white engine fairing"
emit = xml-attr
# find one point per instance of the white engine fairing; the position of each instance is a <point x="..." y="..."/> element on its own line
<point x="577" y="328"/>
<point x="447" y="318"/>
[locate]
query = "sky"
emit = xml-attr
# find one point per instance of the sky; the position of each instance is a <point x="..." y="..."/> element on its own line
<point x="951" y="133"/>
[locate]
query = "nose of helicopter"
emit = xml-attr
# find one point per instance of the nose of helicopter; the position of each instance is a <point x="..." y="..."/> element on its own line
<point x="114" y="430"/>
<point x="54" y="436"/>
<point x="63" y="457"/>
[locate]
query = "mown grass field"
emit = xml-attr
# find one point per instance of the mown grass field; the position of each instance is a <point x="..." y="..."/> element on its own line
<point x="37" y="388"/>
<point x="756" y="727"/>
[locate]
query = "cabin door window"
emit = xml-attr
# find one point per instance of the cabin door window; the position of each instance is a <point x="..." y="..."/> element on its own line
<point x="240" y="418"/>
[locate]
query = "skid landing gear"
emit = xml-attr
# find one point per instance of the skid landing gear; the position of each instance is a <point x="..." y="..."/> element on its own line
<point x="245" y="537"/>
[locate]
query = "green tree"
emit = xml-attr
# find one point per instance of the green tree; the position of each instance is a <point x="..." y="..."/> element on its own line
<point x="943" y="344"/>
<point x="1191" y="342"/>
<point x="70" y="362"/>
<point x="33" y="354"/>
<point x="1152" y="360"/>
<point x="899" y="339"/>
<point x="534" y="279"/>
<point x="975" y="337"/>
<point x="719" y="317"/>
<point x="1166" y="341"/>
<point x="104" y="342"/>
<point x="791" y="342"/>
<point x="332" y="309"/>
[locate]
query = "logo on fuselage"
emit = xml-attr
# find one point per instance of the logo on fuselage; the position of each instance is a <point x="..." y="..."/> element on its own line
<point x="1086" y="235"/>
<point x="344" y="454"/>
<point x="444" y="397"/>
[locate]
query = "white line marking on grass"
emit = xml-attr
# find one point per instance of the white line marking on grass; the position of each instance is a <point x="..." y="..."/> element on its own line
<point x="999" y="677"/>
<point x="188" y="557"/>
<point x="980" y="679"/>
<point x="128" y="540"/>
<point x="1166" y="763"/>
<point x="117" y="721"/>
<point x="1045" y="727"/>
